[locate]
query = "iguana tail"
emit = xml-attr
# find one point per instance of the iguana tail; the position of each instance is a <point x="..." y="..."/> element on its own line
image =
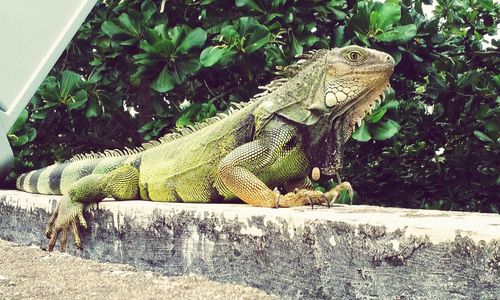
<point x="56" y="179"/>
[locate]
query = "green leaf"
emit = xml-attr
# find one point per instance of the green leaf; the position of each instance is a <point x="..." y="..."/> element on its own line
<point x="183" y="121"/>
<point x="176" y="34"/>
<point x="135" y="78"/>
<point x="21" y="120"/>
<point x="482" y="136"/>
<point x="195" y="38"/>
<point x="391" y="104"/>
<point x="161" y="31"/>
<point x="363" y="38"/>
<point x="228" y="57"/>
<point x="151" y="36"/>
<point x="111" y="29"/>
<point x="18" y="140"/>
<point x="438" y="38"/>
<point x="339" y="32"/>
<point x="210" y="109"/>
<point x="164" y="48"/>
<point x="163" y="82"/>
<point x="483" y="111"/>
<point x="389" y="15"/>
<point x="272" y="16"/>
<point x="93" y="110"/>
<point x="78" y="101"/>
<point x="146" y="60"/>
<point x="31" y="134"/>
<point x="129" y="42"/>
<point x="148" y="9"/>
<point x="95" y="78"/>
<point x="250" y="4"/>
<point x="338" y="14"/>
<point x="211" y="55"/>
<point x="69" y="82"/>
<point x="245" y="25"/>
<point x="257" y="38"/>
<point x="311" y="39"/>
<point x="487" y="4"/>
<point x="493" y="127"/>
<point x="386" y="130"/>
<point x="187" y="67"/>
<point x="377" y="114"/>
<point x="360" y="22"/>
<point x="320" y="189"/>
<point x="229" y="32"/>
<point x="146" y="127"/>
<point x="438" y="81"/>
<point x="361" y="133"/>
<point x="39" y="115"/>
<point x="49" y="91"/>
<point x="400" y="34"/>
<point x="374" y="20"/>
<point x="296" y="47"/>
<point x="131" y="26"/>
<point x="469" y="79"/>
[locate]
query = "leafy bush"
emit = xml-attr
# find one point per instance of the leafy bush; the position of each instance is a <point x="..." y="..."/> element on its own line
<point x="139" y="68"/>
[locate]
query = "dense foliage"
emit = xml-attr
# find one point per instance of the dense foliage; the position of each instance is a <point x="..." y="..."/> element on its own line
<point x="139" y="68"/>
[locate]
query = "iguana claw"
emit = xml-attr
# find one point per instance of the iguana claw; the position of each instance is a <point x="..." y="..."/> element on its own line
<point x="334" y="193"/>
<point x="64" y="218"/>
<point x="302" y="197"/>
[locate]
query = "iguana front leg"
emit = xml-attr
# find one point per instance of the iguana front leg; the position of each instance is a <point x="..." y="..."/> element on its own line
<point x="275" y="153"/>
<point x="120" y="184"/>
<point x="237" y="169"/>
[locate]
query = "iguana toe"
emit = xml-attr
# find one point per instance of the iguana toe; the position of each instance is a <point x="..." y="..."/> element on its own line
<point x="334" y="193"/>
<point x="66" y="216"/>
<point x="76" y="234"/>
<point x="50" y="224"/>
<point x="302" y="197"/>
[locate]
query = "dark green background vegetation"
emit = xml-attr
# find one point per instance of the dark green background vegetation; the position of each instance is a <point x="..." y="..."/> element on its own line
<point x="433" y="144"/>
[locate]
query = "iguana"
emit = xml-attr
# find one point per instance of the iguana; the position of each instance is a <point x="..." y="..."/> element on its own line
<point x="296" y="127"/>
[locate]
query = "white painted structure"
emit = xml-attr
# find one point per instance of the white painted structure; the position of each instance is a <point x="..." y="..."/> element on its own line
<point x="33" y="35"/>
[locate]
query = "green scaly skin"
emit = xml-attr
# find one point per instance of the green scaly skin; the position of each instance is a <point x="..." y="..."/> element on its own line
<point x="297" y="126"/>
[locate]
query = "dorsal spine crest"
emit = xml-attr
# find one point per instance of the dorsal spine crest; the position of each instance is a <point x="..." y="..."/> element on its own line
<point x="284" y="74"/>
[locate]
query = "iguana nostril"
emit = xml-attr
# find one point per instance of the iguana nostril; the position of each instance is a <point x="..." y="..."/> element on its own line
<point x="389" y="58"/>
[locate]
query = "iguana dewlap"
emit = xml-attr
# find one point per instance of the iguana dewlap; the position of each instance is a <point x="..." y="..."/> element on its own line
<point x="297" y="126"/>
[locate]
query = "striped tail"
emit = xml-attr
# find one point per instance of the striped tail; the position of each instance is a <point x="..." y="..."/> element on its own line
<point x="56" y="179"/>
<point x="42" y="181"/>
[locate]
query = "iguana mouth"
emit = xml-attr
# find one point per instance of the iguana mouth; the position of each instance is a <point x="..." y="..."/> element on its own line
<point x="376" y="69"/>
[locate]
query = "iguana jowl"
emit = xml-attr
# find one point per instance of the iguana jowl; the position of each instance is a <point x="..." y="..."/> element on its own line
<point x="299" y="123"/>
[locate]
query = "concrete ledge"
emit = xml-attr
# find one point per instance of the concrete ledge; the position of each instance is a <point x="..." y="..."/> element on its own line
<point x="346" y="252"/>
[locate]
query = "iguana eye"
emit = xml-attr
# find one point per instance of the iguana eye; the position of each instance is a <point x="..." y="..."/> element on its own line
<point x="354" y="56"/>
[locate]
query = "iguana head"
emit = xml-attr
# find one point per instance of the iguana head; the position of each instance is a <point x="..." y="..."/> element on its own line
<point x="328" y="93"/>
<point x="355" y="78"/>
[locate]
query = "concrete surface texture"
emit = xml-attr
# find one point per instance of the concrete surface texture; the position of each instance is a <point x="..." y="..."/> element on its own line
<point x="27" y="272"/>
<point x="344" y="252"/>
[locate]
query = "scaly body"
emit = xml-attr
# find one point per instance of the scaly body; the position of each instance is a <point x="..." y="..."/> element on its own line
<point x="301" y="122"/>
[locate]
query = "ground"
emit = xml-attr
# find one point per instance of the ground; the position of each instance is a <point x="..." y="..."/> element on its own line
<point x="29" y="272"/>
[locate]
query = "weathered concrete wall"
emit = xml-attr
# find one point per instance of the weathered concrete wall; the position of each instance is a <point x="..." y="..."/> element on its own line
<point x="345" y="252"/>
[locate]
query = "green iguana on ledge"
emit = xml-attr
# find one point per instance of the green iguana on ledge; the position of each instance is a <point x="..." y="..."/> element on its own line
<point x="296" y="128"/>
